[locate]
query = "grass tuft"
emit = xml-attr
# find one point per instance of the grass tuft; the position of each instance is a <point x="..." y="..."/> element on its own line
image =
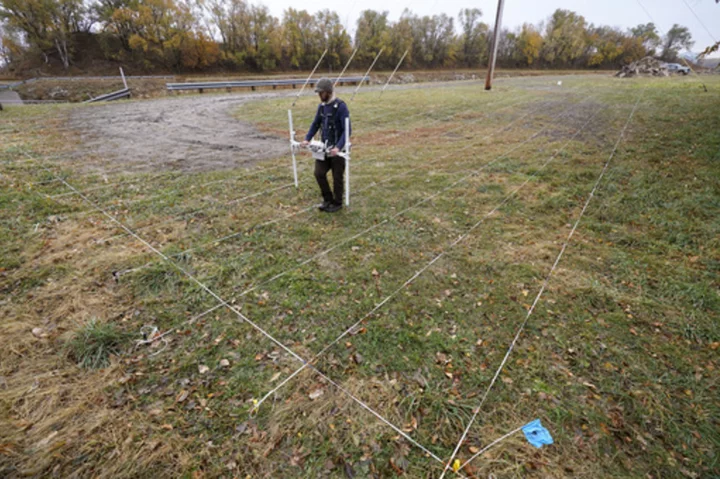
<point x="93" y="344"/>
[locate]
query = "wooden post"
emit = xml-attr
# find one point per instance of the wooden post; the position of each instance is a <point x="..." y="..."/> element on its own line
<point x="493" y="51"/>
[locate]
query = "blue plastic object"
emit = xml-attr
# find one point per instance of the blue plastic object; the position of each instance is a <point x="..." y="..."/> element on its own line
<point x="536" y="434"/>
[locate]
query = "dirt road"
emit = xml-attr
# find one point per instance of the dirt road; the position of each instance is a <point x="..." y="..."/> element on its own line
<point x="10" y="97"/>
<point x="188" y="133"/>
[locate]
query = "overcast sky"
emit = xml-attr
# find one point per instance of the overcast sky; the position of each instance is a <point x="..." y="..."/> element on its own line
<point x="620" y="13"/>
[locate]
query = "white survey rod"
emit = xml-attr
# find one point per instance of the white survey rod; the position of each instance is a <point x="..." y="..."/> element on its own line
<point x="292" y="149"/>
<point x="347" y="161"/>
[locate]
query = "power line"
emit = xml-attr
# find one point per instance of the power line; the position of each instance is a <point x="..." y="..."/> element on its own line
<point x="700" y="20"/>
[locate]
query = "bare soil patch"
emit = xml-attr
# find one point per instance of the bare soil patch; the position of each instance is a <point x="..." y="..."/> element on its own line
<point x="195" y="133"/>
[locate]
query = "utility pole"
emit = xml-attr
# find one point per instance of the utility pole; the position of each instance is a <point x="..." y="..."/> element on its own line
<point x="493" y="51"/>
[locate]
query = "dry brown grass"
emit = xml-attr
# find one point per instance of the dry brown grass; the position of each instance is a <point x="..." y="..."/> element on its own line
<point x="54" y="416"/>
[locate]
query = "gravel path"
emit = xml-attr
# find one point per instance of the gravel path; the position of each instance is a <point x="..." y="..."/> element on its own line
<point x="188" y="133"/>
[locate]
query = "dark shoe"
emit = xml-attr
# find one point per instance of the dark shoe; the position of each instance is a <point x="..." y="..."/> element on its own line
<point x="325" y="205"/>
<point x="333" y="208"/>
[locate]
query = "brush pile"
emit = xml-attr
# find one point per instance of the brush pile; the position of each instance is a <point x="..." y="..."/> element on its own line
<point x="648" y="66"/>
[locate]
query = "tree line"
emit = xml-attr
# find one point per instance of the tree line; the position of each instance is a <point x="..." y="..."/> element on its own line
<point x="206" y="35"/>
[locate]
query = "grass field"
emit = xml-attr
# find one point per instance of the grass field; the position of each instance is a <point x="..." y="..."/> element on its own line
<point x="367" y="343"/>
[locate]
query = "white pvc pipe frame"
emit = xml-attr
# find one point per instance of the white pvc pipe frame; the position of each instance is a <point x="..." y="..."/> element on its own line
<point x="292" y="147"/>
<point x="346" y="151"/>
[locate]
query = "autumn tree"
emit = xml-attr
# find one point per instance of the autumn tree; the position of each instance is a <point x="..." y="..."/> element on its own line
<point x="371" y="35"/>
<point x="400" y="41"/>
<point x="115" y="19"/>
<point x="529" y="45"/>
<point x="48" y="25"/>
<point x="239" y="34"/>
<point x="676" y="39"/>
<point x="10" y="45"/>
<point x="648" y="35"/>
<point x="507" y="48"/>
<point x="633" y="50"/>
<point x="302" y="43"/>
<point x="335" y="38"/>
<point x="605" y="46"/>
<point x="473" y="38"/>
<point x="167" y="33"/>
<point x="433" y="40"/>
<point x="250" y="36"/>
<point x="565" y="38"/>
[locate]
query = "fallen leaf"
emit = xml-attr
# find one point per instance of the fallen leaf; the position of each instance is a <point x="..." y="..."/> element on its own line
<point x="632" y="331"/>
<point x="474" y="450"/>
<point x="182" y="396"/>
<point x="46" y="441"/>
<point x="316" y="394"/>
<point x="224" y="363"/>
<point x="275" y="377"/>
<point x="203" y="369"/>
<point x="362" y="330"/>
<point x="167" y="427"/>
<point x="456" y="465"/>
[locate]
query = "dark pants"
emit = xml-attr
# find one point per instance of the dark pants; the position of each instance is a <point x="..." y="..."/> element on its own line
<point x="337" y="165"/>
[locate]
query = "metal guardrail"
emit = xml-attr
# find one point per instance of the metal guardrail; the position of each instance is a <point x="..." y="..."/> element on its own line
<point x="36" y="79"/>
<point x="253" y="84"/>
<point x="116" y="95"/>
<point x="136" y="77"/>
<point x="17" y="84"/>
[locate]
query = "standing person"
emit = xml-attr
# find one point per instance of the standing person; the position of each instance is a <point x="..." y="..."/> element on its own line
<point x="330" y="121"/>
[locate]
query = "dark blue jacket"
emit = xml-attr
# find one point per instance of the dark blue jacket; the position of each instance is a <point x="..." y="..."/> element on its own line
<point x="330" y="120"/>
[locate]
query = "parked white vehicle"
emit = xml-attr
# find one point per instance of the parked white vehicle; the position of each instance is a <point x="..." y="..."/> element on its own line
<point x="677" y="68"/>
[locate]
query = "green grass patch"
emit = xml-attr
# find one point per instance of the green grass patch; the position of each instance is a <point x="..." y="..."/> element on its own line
<point x="92" y="346"/>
